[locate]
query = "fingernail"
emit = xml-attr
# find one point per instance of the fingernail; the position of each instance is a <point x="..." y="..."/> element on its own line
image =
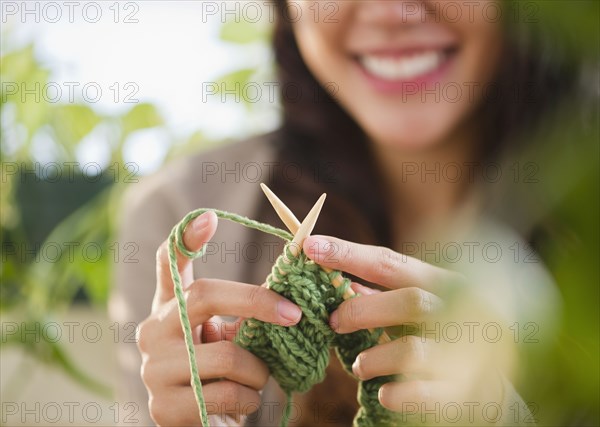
<point x="289" y="311"/>
<point x="333" y="320"/>
<point x="200" y="222"/>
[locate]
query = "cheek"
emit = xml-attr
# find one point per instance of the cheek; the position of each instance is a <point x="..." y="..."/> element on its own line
<point x="320" y="33"/>
<point x="483" y="52"/>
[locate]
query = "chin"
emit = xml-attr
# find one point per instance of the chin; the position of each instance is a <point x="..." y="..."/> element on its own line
<point x="410" y="136"/>
<point x="407" y="143"/>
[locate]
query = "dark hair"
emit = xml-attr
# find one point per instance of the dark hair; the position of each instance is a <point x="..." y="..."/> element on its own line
<point x="331" y="149"/>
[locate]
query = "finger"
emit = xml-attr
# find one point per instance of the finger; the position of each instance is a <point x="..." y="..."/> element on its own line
<point x="407" y="355"/>
<point x="376" y="264"/>
<point x="228" y="397"/>
<point x="222" y="359"/>
<point x="209" y="297"/>
<point x="401" y="306"/>
<point x="176" y="406"/>
<point x="196" y="234"/>
<point x="410" y="397"/>
<point x="217" y="329"/>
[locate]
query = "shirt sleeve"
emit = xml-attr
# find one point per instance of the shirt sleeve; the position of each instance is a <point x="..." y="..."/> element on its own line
<point x="144" y="223"/>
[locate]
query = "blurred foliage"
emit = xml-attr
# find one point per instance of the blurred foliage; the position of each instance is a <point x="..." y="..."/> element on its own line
<point x="243" y="32"/>
<point x="76" y="209"/>
<point x="561" y="379"/>
<point x="560" y="376"/>
<point x="573" y="25"/>
<point x="34" y="284"/>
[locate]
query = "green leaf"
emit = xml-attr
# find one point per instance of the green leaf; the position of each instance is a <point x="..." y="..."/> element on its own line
<point x="18" y="64"/>
<point x="244" y="32"/>
<point x="27" y="92"/>
<point x="52" y="285"/>
<point x="141" y="116"/>
<point x="237" y="81"/>
<point x="94" y="273"/>
<point x="72" y="122"/>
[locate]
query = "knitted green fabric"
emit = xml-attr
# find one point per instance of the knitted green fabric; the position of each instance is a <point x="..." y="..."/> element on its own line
<point x="297" y="356"/>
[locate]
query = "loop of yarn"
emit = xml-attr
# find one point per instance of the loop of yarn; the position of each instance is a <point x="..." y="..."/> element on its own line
<point x="297" y="356"/>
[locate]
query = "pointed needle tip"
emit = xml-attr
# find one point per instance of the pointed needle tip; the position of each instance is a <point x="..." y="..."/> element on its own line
<point x="284" y="213"/>
<point x="309" y="222"/>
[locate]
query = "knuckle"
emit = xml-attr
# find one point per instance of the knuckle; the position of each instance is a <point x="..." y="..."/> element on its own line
<point x="158" y="410"/>
<point x="256" y="296"/>
<point x="343" y="251"/>
<point x="144" y="373"/>
<point x="414" y="353"/>
<point x="196" y="296"/>
<point x="162" y="252"/>
<point x="230" y="392"/>
<point x="388" y="262"/>
<point x="354" y="313"/>
<point x="143" y="334"/>
<point x="418" y="301"/>
<point x="148" y="371"/>
<point x="228" y="358"/>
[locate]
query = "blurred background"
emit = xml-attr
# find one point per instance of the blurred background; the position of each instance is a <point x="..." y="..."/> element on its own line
<point x="108" y="92"/>
<point x="90" y="103"/>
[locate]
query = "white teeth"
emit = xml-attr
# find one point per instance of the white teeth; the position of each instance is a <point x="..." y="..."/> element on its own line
<point x="389" y="68"/>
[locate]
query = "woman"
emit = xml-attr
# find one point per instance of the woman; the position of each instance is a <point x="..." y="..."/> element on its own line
<point x="420" y="100"/>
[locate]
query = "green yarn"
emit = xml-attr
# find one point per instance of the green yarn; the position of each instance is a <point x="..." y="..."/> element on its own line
<point x="297" y="356"/>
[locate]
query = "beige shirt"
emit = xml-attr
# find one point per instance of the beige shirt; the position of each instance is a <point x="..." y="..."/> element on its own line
<point x="225" y="179"/>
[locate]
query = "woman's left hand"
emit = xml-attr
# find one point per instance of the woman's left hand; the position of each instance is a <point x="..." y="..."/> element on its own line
<point x="449" y="359"/>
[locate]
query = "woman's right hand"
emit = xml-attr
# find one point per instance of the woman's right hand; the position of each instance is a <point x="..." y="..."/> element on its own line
<point x="231" y="376"/>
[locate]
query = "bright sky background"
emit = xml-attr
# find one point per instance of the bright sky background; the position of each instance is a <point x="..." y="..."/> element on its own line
<point x="168" y="54"/>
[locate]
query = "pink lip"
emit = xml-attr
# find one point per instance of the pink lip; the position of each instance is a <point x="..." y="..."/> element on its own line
<point x="425" y="81"/>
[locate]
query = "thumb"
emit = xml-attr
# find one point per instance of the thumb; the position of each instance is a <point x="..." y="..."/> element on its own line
<point x="196" y="234"/>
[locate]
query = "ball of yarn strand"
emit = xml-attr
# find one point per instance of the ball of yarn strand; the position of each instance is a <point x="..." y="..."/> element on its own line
<point x="297" y="356"/>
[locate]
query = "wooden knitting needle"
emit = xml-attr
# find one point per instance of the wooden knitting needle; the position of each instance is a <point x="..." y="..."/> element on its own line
<point x="284" y="213"/>
<point x="307" y="226"/>
<point x="292" y="223"/>
<point x="304" y="230"/>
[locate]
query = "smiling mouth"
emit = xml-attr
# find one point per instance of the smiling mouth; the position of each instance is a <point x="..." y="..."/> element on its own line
<point x="402" y="67"/>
